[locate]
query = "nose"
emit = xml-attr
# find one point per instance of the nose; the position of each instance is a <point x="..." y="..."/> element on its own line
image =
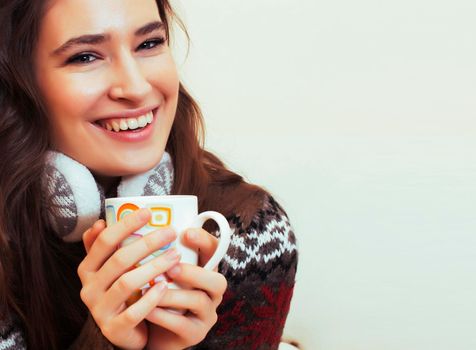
<point x="129" y="81"/>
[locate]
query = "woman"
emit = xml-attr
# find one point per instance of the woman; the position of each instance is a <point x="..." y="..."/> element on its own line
<point x="95" y="80"/>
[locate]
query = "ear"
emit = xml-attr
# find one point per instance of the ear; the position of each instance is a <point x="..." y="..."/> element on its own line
<point x="71" y="196"/>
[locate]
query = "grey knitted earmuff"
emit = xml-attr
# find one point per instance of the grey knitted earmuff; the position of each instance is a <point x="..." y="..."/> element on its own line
<point x="74" y="201"/>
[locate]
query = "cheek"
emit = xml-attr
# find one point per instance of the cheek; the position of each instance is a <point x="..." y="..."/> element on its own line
<point x="66" y="97"/>
<point x="171" y="92"/>
<point x="164" y="76"/>
<point x="68" y="102"/>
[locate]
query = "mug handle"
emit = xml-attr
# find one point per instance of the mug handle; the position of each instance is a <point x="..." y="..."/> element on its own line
<point x="225" y="236"/>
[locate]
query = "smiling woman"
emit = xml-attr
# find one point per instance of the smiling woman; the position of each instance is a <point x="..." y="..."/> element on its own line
<point x="109" y="66"/>
<point x="89" y="89"/>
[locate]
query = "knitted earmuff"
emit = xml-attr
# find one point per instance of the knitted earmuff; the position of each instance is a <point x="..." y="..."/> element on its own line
<point x="74" y="201"/>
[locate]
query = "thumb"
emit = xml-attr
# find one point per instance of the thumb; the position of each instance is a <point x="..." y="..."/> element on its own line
<point x="200" y="240"/>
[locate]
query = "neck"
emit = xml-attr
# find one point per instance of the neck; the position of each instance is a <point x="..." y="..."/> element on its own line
<point x="108" y="183"/>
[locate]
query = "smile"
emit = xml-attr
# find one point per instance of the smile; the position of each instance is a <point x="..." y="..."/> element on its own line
<point x="124" y="124"/>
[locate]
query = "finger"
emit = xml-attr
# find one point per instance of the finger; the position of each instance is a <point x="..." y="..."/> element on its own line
<point x="138" y="311"/>
<point x="201" y="240"/>
<point x="126" y="257"/>
<point x="135" y="279"/>
<point x="108" y="240"/>
<point x="213" y="283"/>
<point x="89" y="237"/>
<point x="183" y="326"/>
<point x="196" y="301"/>
<point x="91" y="234"/>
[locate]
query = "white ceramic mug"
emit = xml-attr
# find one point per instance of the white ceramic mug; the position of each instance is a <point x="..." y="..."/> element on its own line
<point x="178" y="212"/>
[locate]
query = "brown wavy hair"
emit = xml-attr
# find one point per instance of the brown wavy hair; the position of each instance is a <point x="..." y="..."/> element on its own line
<point x="39" y="288"/>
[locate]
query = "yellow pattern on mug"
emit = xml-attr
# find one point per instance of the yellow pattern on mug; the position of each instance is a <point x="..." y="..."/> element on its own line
<point x="161" y="216"/>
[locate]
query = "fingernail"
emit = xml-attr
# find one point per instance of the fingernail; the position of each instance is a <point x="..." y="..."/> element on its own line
<point x="166" y="231"/>
<point x="144" y="213"/>
<point x="192" y="235"/>
<point x="161" y="285"/>
<point x="172" y="254"/>
<point x="174" y="271"/>
<point x="97" y="225"/>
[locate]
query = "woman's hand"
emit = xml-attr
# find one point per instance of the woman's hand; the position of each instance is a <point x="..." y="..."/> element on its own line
<point x="109" y="279"/>
<point x="171" y="330"/>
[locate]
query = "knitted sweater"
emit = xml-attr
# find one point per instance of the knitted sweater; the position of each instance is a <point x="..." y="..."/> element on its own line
<point x="260" y="268"/>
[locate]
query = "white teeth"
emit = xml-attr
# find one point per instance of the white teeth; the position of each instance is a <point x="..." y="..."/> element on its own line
<point x="142" y="121"/>
<point x="132" y="123"/>
<point x="129" y="123"/>
<point x="123" y="124"/>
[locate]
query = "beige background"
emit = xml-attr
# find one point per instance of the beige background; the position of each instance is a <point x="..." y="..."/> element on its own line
<point x="360" y="117"/>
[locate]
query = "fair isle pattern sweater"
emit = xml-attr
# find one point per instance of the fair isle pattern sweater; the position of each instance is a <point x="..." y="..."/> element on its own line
<point x="260" y="268"/>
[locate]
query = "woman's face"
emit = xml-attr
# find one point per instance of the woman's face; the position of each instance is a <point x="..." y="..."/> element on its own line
<point x="109" y="83"/>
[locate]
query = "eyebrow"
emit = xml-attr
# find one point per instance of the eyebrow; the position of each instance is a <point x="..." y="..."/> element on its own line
<point x="95" y="39"/>
<point x="149" y="28"/>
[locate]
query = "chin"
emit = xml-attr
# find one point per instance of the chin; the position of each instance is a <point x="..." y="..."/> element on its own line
<point x="123" y="164"/>
<point x="136" y="166"/>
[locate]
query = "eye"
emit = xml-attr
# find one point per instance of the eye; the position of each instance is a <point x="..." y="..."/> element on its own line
<point x="151" y="43"/>
<point x="82" y="58"/>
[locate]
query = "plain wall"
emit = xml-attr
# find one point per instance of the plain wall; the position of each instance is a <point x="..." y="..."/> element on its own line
<point x="359" y="116"/>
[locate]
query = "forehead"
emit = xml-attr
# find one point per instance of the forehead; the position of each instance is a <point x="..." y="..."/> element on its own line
<point x="64" y="19"/>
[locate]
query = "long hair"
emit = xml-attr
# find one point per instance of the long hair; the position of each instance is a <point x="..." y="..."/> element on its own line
<point x="38" y="282"/>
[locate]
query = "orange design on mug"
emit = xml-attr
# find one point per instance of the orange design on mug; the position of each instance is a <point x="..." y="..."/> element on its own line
<point x="126" y="209"/>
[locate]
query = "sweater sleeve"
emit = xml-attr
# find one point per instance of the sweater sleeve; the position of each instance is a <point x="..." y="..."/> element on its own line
<point x="260" y="268"/>
<point x="91" y="338"/>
